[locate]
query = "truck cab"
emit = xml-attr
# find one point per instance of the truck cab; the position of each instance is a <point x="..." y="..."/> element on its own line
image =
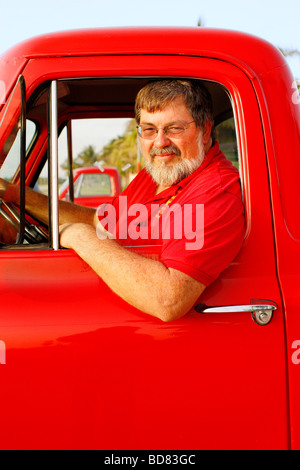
<point x="80" y="367"/>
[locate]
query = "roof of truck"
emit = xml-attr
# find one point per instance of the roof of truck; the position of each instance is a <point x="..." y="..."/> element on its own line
<point x="250" y="53"/>
<point x="208" y="42"/>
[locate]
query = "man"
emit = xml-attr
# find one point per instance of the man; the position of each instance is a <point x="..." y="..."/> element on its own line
<point x="184" y="166"/>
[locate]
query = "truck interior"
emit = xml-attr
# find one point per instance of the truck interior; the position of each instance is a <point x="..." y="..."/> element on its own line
<point x="82" y="101"/>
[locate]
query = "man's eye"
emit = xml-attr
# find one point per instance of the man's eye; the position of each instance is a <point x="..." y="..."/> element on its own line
<point x="148" y="130"/>
<point x="175" y="129"/>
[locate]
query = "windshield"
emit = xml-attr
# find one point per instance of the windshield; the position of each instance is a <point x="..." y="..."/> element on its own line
<point x="11" y="163"/>
<point x="12" y="122"/>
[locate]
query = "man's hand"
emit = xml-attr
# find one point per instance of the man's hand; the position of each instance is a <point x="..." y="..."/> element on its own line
<point x="72" y="234"/>
<point x="64" y="233"/>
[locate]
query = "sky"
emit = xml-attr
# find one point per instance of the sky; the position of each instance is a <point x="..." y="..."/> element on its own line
<point x="274" y="20"/>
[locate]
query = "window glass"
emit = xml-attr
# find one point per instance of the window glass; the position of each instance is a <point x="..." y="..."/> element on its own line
<point x="15" y="229"/>
<point x="226" y="136"/>
<point x="12" y="160"/>
<point x="42" y="181"/>
<point x="95" y="185"/>
<point x="101" y="142"/>
<point x="12" y="149"/>
<point x="106" y="136"/>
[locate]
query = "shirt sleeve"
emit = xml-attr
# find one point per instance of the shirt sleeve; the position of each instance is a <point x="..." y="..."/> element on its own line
<point x="210" y="241"/>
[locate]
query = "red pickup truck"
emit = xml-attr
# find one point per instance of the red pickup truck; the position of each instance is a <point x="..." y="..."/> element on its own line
<point x="92" y="186"/>
<point x="80" y="368"/>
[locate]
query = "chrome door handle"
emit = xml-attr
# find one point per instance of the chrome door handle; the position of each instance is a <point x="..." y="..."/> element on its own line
<point x="261" y="313"/>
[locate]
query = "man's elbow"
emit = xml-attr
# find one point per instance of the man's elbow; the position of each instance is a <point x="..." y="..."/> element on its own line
<point x="177" y="303"/>
<point x="168" y="317"/>
<point x="170" y="312"/>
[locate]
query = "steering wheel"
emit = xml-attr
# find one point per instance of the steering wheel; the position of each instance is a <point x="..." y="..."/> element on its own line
<point x="32" y="233"/>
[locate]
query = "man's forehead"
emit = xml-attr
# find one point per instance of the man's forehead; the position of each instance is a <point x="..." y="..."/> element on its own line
<point x="173" y="111"/>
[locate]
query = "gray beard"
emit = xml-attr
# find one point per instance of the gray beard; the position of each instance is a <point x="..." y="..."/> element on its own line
<point x="167" y="175"/>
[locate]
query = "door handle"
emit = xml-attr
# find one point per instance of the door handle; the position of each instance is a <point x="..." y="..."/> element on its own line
<point x="262" y="314"/>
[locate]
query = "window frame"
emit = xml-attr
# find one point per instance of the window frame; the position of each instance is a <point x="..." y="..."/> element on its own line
<point x="56" y="122"/>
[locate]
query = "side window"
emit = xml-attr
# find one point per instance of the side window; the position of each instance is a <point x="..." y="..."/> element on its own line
<point x="226" y="136"/>
<point x="98" y="142"/>
<point x="42" y="183"/>
<point x="18" y="134"/>
<point x="12" y="158"/>
<point x="95" y="126"/>
<point x="10" y="166"/>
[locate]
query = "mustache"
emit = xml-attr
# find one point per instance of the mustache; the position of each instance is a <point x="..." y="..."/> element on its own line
<point x="164" y="151"/>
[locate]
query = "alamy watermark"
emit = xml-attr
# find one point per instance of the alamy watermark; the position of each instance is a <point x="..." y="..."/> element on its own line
<point x="153" y="222"/>
<point x="296" y="353"/>
<point x="2" y="352"/>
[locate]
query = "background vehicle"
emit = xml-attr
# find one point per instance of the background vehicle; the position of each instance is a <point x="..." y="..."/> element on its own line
<point x="83" y="369"/>
<point x="93" y="186"/>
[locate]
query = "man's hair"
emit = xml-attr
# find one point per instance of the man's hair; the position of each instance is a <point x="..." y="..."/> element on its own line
<point x="159" y="93"/>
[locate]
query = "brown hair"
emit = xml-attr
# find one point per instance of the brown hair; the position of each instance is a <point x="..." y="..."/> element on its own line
<point x="157" y="94"/>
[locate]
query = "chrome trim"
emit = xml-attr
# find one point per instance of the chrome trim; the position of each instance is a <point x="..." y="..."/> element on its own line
<point x="54" y="166"/>
<point x="237" y="308"/>
<point x="262" y="314"/>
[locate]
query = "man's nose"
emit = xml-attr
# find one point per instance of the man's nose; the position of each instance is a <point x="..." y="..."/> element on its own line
<point x="161" y="139"/>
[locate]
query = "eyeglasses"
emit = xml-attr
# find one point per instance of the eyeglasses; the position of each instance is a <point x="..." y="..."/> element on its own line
<point x="146" y="131"/>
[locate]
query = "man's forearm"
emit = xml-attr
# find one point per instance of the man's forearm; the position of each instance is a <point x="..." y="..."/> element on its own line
<point x="144" y="283"/>
<point x="37" y="205"/>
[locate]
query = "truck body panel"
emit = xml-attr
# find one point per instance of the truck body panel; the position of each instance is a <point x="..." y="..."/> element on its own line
<point x="83" y="369"/>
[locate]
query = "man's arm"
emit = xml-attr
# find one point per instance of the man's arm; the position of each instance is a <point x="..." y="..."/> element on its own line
<point x="37" y="205"/>
<point x="144" y="283"/>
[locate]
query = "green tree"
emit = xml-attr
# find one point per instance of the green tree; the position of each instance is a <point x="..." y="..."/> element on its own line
<point x="289" y="52"/>
<point x="122" y="150"/>
<point x="87" y="157"/>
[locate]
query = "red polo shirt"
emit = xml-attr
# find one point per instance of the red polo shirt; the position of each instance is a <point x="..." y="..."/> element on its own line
<point x="198" y="223"/>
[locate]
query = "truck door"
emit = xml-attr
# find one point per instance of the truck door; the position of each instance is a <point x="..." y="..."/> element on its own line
<point x="85" y="370"/>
